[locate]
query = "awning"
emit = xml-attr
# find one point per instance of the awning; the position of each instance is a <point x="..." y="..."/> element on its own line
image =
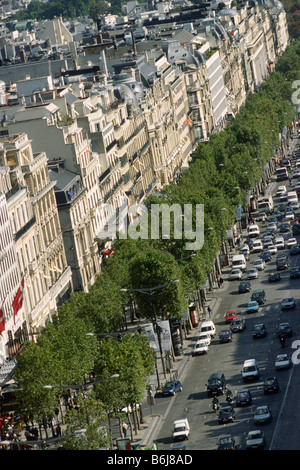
<point x="7" y="371"/>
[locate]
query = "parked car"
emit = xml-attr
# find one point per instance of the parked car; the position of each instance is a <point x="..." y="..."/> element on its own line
<point x="243" y="397"/>
<point x="171" y="387"/>
<point x="262" y="414"/>
<point x="238" y="325"/>
<point x="244" y="286"/>
<point x="226" y="442"/>
<point x="252" y="307"/>
<point x="284" y="329"/>
<point x="282" y="361"/>
<point x="235" y="274"/>
<point x="229" y="316"/>
<point x="259" y="331"/>
<point x="226" y="414"/>
<point x="255" y="440"/>
<point x="274" y="276"/>
<point x="287" y="303"/>
<point x="225" y="336"/>
<point x="271" y="385"/>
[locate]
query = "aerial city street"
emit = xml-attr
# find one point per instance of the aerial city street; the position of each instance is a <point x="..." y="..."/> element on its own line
<point x="149" y="225"/>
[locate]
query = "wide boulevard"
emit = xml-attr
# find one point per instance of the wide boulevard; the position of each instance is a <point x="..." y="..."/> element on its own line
<point x="192" y="402"/>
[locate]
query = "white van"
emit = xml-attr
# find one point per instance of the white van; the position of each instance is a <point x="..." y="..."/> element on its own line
<point x="292" y="196"/>
<point x="239" y="262"/>
<point x="253" y="231"/>
<point x="250" y="370"/>
<point x="208" y="327"/>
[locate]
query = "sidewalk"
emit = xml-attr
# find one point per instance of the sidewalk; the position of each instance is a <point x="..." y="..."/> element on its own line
<point x="151" y="424"/>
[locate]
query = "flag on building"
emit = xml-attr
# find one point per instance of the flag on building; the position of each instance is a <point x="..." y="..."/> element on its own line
<point x="2" y="318"/>
<point x="18" y="300"/>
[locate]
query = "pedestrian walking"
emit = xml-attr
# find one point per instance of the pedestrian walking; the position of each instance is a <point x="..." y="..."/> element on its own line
<point x="209" y="311"/>
<point x="124" y="429"/>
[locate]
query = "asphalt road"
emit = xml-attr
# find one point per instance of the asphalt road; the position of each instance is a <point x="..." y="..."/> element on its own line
<point x="192" y="403"/>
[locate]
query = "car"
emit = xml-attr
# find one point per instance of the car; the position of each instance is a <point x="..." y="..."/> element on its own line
<point x="259" y="331"/>
<point x="266" y="255"/>
<point x="171" y="387"/>
<point x="226" y="442"/>
<point x="282" y="361"/>
<point x="255" y="440"/>
<point x="296" y="174"/>
<point x="282" y="207"/>
<point x="284" y="227"/>
<point x="291" y="242"/>
<point x="216" y="384"/>
<point x="259" y="264"/>
<point x="271" y="385"/>
<point x="296" y="229"/>
<point x="294" y="205"/>
<point x="289" y="215"/>
<point x="287" y="303"/>
<point x="279" y="243"/>
<point x="262" y="414"/>
<point x="257" y="246"/>
<point x="281" y="190"/>
<point x="272" y="226"/>
<point x="204" y="337"/>
<point x="274" y="276"/>
<point x="235" y="274"/>
<point x="282" y="263"/>
<point x="226" y="414"/>
<point x="284" y="329"/>
<point x="267" y="243"/>
<point x="245" y="286"/>
<point x="252" y="273"/>
<point x="272" y="249"/>
<point x="238" y="325"/>
<point x="243" y="397"/>
<point x="295" y="272"/>
<point x="295" y="250"/>
<point x="201" y="347"/>
<point x="229" y="316"/>
<point x="252" y="307"/>
<point x="225" y="336"/>
<point x="259" y="296"/>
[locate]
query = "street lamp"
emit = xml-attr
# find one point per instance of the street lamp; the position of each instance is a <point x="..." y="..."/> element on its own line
<point x="150" y="291"/>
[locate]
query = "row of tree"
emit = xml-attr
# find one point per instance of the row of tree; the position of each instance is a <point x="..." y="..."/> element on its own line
<point x="219" y="177"/>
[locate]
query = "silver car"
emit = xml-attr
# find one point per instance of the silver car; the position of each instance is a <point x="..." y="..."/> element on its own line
<point x="255" y="439"/>
<point x="262" y="415"/>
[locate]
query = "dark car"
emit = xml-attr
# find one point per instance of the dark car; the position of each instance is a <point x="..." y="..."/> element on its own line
<point x="266" y="255"/>
<point x="284" y="329"/>
<point x="258" y="296"/>
<point x="226" y="442"/>
<point x="296" y="229"/>
<point x="295" y="272"/>
<point x="285" y="227"/>
<point x="271" y="385"/>
<point x="282" y="264"/>
<point x="226" y="414"/>
<point x="259" y="330"/>
<point x="243" y="398"/>
<point x="238" y="325"/>
<point x="244" y="286"/>
<point x="171" y="387"/>
<point x="295" y="250"/>
<point x="274" y="277"/>
<point x="216" y="384"/>
<point x="225" y="336"/>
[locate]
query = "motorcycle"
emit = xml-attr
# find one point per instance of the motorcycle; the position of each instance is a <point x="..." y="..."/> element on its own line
<point x="282" y="341"/>
<point x="215" y="405"/>
<point x="229" y="397"/>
